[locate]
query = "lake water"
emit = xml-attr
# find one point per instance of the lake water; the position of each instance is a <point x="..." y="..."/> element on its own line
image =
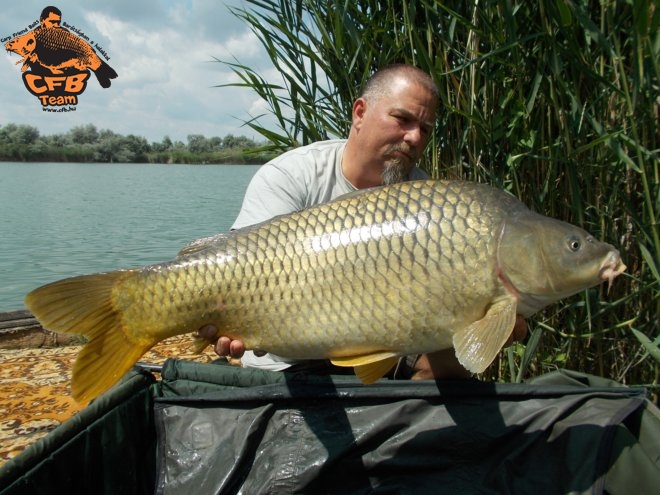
<point x="63" y="219"/>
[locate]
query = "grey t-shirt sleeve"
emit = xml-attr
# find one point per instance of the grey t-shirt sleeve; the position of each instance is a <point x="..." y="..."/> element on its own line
<point x="271" y="192"/>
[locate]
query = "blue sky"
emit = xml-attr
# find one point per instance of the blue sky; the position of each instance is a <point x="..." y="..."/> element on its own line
<point x="163" y="53"/>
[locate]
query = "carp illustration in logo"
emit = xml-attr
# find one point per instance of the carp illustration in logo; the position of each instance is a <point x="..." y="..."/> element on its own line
<point x="58" y="61"/>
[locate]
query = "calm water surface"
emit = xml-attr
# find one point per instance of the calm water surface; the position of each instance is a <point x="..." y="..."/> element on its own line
<point x="64" y="219"/>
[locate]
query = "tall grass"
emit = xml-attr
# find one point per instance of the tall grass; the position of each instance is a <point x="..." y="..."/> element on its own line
<point x="555" y="101"/>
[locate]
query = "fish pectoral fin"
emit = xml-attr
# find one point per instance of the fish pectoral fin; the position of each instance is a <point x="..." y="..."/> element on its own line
<point x="369" y="367"/>
<point x="477" y="345"/>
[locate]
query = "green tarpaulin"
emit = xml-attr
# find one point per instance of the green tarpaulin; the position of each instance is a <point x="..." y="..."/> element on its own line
<point x="210" y="428"/>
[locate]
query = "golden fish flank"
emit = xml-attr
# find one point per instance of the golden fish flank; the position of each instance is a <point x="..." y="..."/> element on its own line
<point x="404" y="269"/>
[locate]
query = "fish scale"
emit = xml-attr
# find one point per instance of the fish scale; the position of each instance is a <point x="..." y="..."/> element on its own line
<point x="59" y="45"/>
<point x="404" y="269"/>
<point x="333" y="254"/>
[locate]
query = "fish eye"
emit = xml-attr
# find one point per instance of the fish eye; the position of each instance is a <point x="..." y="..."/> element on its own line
<point x="574" y="244"/>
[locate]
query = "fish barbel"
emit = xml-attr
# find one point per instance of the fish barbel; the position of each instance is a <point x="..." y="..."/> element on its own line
<point x="404" y="269"/>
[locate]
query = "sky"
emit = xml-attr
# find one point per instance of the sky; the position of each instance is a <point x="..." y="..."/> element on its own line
<point x="163" y="52"/>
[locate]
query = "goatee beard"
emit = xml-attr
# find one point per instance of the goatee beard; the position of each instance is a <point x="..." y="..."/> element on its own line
<point x="394" y="172"/>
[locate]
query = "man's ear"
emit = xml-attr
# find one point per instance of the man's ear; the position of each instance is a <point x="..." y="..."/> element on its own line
<point x="359" y="109"/>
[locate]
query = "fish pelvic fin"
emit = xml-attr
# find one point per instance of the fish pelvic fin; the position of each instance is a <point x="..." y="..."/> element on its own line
<point x="369" y="367"/>
<point x="477" y="345"/>
<point x="84" y="306"/>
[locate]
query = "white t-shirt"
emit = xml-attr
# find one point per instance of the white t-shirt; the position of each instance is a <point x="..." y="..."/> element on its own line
<point x="293" y="181"/>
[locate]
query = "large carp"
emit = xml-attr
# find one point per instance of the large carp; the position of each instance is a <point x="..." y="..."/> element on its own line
<point x="404" y="269"/>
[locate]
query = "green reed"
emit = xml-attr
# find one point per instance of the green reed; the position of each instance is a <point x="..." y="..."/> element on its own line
<point x="555" y="101"/>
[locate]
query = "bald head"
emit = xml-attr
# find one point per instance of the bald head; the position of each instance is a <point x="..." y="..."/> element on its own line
<point x="381" y="82"/>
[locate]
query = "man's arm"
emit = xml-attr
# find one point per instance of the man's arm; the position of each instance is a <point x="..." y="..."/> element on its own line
<point x="271" y="192"/>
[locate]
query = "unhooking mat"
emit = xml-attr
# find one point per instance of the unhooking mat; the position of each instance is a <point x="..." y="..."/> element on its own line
<point x="210" y="428"/>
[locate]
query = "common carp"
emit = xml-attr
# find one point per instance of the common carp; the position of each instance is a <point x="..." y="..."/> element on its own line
<point x="384" y="272"/>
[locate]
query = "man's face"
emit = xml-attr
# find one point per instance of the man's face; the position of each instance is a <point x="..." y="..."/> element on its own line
<point x="53" y="20"/>
<point x="393" y="129"/>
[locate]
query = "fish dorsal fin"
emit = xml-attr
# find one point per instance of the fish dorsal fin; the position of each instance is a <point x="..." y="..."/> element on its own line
<point x="200" y="244"/>
<point x="369" y="367"/>
<point x="477" y="345"/>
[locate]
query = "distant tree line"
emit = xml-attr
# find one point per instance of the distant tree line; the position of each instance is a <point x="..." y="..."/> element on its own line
<point x="86" y="143"/>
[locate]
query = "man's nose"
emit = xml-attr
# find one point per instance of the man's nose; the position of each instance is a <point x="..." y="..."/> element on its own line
<point x="413" y="136"/>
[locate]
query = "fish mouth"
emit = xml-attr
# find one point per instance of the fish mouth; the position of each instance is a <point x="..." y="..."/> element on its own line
<point x="611" y="267"/>
<point x="17" y="53"/>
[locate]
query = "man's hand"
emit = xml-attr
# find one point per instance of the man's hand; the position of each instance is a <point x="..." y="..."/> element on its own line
<point x="519" y="331"/>
<point x="224" y="346"/>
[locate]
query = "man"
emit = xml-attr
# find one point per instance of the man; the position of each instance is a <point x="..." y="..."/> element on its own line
<point x="50" y="17"/>
<point x="392" y="121"/>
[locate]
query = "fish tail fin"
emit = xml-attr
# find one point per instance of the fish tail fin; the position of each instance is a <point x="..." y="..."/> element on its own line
<point x="104" y="73"/>
<point x="84" y="306"/>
